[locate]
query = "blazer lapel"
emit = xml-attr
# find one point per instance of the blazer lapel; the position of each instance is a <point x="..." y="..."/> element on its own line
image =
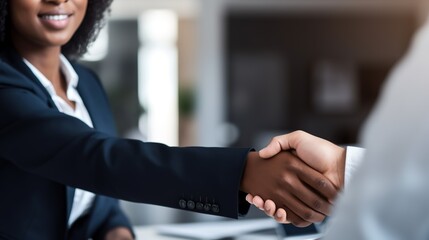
<point x="88" y="99"/>
<point x="95" y="100"/>
<point x="16" y="61"/>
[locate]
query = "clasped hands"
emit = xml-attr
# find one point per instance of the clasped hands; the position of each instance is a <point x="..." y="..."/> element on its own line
<point x="296" y="178"/>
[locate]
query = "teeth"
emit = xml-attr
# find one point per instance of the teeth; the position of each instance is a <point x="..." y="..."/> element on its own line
<point x="55" y="17"/>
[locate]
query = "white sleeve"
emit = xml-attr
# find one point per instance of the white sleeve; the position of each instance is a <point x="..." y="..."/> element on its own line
<point x="354" y="157"/>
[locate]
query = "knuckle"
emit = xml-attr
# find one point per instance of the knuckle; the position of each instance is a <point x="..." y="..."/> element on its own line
<point x="308" y="215"/>
<point x="321" y="183"/>
<point x="292" y="164"/>
<point x="299" y="132"/>
<point x="288" y="179"/>
<point x="317" y="204"/>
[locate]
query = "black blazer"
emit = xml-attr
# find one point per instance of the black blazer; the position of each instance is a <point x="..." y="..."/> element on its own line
<point x="45" y="154"/>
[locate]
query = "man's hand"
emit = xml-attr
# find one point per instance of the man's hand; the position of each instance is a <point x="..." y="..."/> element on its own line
<point x="290" y="184"/>
<point x="322" y="155"/>
<point x="119" y="233"/>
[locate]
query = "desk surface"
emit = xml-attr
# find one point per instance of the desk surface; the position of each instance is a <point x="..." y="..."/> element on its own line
<point x="150" y="233"/>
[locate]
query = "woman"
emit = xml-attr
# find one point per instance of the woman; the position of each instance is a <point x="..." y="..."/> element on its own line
<point x="60" y="159"/>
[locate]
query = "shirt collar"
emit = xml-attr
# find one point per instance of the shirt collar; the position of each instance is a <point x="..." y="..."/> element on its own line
<point x="69" y="73"/>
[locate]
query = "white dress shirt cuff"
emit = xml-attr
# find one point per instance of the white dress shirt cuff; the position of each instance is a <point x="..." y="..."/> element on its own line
<point x="354" y="157"/>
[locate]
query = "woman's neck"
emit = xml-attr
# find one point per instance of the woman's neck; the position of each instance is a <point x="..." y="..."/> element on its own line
<point x="48" y="62"/>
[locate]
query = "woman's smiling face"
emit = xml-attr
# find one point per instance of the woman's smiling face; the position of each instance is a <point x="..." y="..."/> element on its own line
<point x="45" y="23"/>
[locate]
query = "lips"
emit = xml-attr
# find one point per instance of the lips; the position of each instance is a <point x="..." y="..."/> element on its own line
<point x="55" y="21"/>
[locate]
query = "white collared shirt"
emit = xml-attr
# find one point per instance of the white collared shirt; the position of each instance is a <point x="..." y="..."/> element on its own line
<point x="82" y="199"/>
<point x="354" y="158"/>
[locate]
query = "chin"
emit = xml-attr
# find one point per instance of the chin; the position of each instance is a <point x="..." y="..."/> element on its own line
<point x="58" y="39"/>
<point x="59" y="42"/>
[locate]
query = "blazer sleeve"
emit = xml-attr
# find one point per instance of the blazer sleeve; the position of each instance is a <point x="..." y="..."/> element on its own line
<point x="43" y="141"/>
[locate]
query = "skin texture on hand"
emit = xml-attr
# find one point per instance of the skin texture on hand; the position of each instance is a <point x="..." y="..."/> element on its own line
<point x="322" y="155"/>
<point x="289" y="183"/>
<point x="119" y="233"/>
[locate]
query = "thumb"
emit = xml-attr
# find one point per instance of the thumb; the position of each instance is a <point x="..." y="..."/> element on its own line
<point x="271" y="150"/>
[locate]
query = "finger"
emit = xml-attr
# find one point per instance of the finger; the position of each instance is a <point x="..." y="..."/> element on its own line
<point x="249" y="198"/>
<point x="319" y="183"/>
<point x="274" y="147"/>
<point x="305" y="189"/>
<point x="281" y="215"/>
<point x="270" y="208"/>
<point x="303" y="192"/>
<point x="258" y="202"/>
<point x="300" y="209"/>
<point x="312" y="199"/>
<point x="291" y="217"/>
<point x="282" y="143"/>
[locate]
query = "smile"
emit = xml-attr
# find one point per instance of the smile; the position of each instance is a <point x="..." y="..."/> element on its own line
<point x="58" y="17"/>
<point x="55" y="21"/>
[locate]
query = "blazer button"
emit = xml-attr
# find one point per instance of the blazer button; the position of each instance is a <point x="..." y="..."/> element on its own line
<point x="191" y="205"/>
<point x="182" y="203"/>
<point x="200" y="206"/>
<point x="215" y="208"/>
<point x="207" y="207"/>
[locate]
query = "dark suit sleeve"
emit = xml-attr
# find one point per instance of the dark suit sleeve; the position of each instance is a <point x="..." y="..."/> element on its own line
<point x="56" y="146"/>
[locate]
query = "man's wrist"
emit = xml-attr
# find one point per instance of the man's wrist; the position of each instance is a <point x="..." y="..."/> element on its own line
<point x="342" y="166"/>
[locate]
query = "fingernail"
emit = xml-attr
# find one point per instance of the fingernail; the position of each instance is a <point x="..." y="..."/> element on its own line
<point x="279" y="215"/>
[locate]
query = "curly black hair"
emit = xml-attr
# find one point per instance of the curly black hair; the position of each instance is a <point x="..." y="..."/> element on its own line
<point x="87" y="32"/>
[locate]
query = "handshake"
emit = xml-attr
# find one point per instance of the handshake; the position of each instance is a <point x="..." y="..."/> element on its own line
<point x="296" y="178"/>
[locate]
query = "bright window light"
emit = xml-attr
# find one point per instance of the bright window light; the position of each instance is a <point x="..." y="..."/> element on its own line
<point x="98" y="50"/>
<point x="158" y="76"/>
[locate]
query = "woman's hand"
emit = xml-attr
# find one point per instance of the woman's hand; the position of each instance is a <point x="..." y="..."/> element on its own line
<point x="119" y="233"/>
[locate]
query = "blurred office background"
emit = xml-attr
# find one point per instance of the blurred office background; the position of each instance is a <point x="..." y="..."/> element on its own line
<point x="237" y="72"/>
